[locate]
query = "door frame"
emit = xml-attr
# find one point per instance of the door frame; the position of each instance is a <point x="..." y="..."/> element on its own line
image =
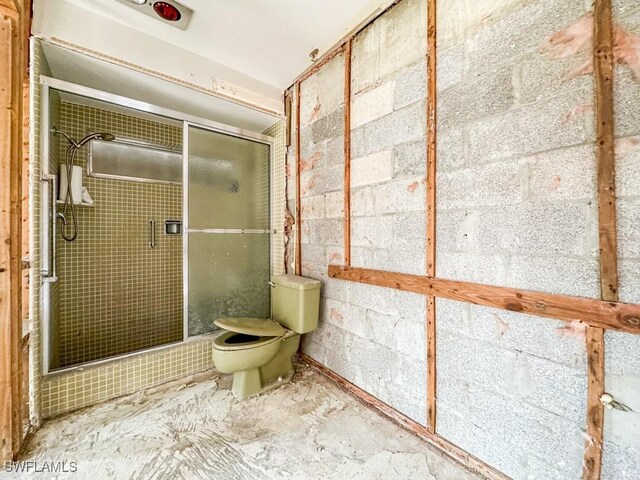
<point x="15" y="19"/>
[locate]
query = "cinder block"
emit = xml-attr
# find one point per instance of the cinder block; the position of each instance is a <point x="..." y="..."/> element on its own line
<point x="621" y="358"/>
<point x="330" y="80"/>
<point x="363" y="257"/>
<point x="345" y="316"/>
<point x="411" y="85"/>
<point x="380" y="328"/>
<point x="541" y="76"/>
<point x="563" y="275"/>
<point x="373" y="358"/>
<point x="501" y="183"/>
<point x="565" y="174"/>
<point x="395" y="40"/>
<point x="401" y="260"/>
<point x="627" y="166"/>
<point x="628" y="216"/>
<point x="334" y="151"/>
<point x="308" y="101"/>
<point x="532" y="128"/>
<point x="374" y="168"/>
<point x="403" y="195"/>
<point x="372" y="232"/>
<point x="325" y="232"/>
<point x="330" y="126"/>
<point x="321" y="180"/>
<point x="450" y="62"/>
<point x="410" y="340"/>
<point x="312" y="207"/>
<point x="455" y="230"/>
<point x="313" y="253"/>
<point x="372" y="104"/>
<point x="410" y="159"/>
<point x="629" y="280"/>
<point x="487" y="95"/>
<point x="411" y="306"/>
<point x="454" y="317"/>
<point x="334" y="255"/>
<point x="543" y="229"/>
<point x="485" y="269"/>
<point x="362" y="202"/>
<point x="626" y="106"/>
<point x="522" y="31"/>
<point x="358" y="143"/>
<point x="409" y="231"/>
<point x="334" y="204"/>
<point x="401" y="126"/>
<point x="379" y="299"/>
<point x="335" y="289"/>
<point x="619" y="462"/>
<point x="450" y="146"/>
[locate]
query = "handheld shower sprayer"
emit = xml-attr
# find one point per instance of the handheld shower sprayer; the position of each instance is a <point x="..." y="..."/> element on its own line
<point x="69" y="201"/>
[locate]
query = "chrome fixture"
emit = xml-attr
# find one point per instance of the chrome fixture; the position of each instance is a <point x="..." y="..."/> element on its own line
<point x="70" y="157"/>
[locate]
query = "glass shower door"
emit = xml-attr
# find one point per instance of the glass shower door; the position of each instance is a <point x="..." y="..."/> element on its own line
<point x="227" y="234"/>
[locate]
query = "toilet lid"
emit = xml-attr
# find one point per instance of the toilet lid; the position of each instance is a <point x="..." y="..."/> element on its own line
<point x="260" y="327"/>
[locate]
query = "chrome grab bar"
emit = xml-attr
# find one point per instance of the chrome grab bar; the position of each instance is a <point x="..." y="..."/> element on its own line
<point x="152" y="233"/>
<point x="51" y="274"/>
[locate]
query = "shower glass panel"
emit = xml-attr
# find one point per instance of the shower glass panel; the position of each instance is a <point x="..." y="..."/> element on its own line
<point x="227" y="232"/>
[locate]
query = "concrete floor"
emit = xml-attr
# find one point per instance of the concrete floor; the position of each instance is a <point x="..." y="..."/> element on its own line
<point x="196" y="429"/>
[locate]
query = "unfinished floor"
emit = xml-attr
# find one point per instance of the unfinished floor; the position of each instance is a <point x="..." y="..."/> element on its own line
<point x="196" y="429"/>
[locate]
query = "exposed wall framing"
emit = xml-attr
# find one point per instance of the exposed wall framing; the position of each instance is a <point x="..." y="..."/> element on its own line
<point x="298" y="221"/>
<point x="598" y="315"/>
<point x="605" y="155"/>
<point x="14" y="22"/>
<point x="347" y="152"/>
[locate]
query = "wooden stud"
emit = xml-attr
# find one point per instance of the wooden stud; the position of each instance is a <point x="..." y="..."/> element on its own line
<point x="439" y="443"/>
<point x="298" y="257"/>
<point x="431" y="213"/>
<point x="12" y="76"/>
<point x="605" y="154"/>
<point x="598" y="313"/>
<point x="347" y="153"/>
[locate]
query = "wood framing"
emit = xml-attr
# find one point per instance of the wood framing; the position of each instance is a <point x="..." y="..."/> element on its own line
<point x="431" y="213"/>
<point x="14" y="20"/>
<point x="347" y="153"/>
<point x="439" y="443"/>
<point x="605" y="155"/>
<point x="597" y="313"/>
<point x="298" y="252"/>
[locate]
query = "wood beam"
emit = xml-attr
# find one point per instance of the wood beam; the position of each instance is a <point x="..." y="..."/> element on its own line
<point x="439" y="443"/>
<point x="298" y="252"/>
<point x="597" y="313"/>
<point x="12" y="75"/>
<point x="347" y="153"/>
<point x="431" y="213"/>
<point x="605" y="155"/>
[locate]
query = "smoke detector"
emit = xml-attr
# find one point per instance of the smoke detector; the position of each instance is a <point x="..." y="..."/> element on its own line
<point x="167" y="11"/>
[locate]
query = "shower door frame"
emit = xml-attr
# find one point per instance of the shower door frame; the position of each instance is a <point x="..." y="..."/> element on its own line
<point x="187" y="120"/>
<point x="258" y="138"/>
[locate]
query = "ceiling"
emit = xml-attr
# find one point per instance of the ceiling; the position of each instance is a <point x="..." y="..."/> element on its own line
<point x="268" y="40"/>
<point x="100" y="75"/>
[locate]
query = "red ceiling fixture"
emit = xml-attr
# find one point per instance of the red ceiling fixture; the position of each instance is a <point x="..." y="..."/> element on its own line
<point x="167" y="11"/>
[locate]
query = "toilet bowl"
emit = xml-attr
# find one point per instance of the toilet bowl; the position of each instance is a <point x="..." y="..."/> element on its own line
<point x="258" y="351"/>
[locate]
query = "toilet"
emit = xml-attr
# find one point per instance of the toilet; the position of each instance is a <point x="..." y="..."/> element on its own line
<point x="258" y="351"/>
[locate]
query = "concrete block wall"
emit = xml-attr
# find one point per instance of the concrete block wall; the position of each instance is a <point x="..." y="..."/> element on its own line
<point x="512" y="389"/>
<point x="621" y="452"/>
<point x="516" y="206"/>
<point x="388" y="164"/>
<point x="516" y="192"/>
<point x="373" y="337"/>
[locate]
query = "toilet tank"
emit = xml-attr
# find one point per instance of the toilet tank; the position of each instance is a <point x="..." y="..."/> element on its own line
<point x="295" y="302"/>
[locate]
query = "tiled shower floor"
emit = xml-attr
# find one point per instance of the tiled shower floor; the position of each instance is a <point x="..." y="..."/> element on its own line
<point x="308" y="429"/>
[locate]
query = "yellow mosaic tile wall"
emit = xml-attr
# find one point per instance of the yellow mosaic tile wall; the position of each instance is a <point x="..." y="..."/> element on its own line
<point x="277" y="131"/>
<point x="118" y="295"/>
<point x="81" y="387"/>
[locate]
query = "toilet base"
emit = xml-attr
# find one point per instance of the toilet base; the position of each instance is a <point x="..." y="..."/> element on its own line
<point x="278" y="371"/>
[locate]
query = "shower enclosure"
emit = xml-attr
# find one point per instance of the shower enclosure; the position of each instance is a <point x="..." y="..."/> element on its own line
<point x="177" y="232"/>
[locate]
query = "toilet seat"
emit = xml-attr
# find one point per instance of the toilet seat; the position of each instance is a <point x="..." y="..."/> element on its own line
<point x="259" y="327"/>
<point x="222" y="342"/>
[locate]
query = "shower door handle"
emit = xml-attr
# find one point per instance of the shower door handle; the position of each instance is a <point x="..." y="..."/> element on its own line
<point x="51" y="274"/>
<point x="152" y="233"/>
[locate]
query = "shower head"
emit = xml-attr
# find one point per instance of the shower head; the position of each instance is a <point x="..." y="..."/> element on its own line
<point x="107" y="137"/>
<point x="92" y="136"/>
